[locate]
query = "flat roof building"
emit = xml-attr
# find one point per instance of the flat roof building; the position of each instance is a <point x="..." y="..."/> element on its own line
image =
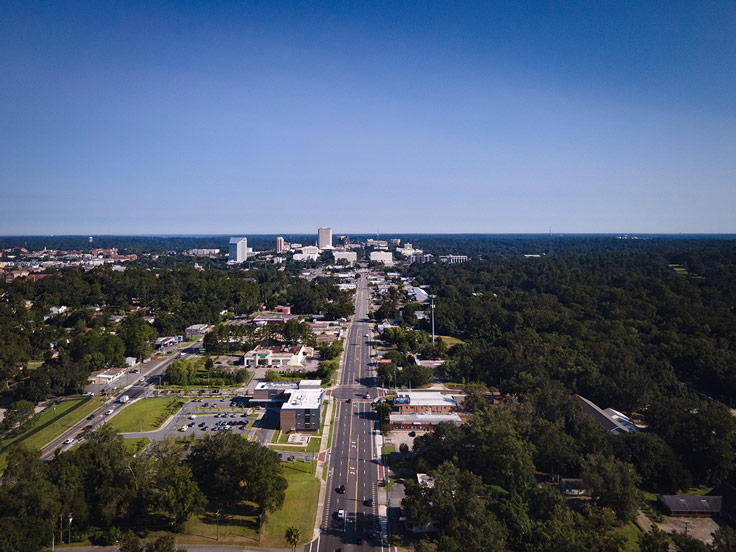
<point x="274" y="356"/>
<point x="324" y="238"/>
<point x="422" y="421"/>
<point x="238" y="251"/>
<point x="433" y="402"/>
<point x="385" y="257"/>
<point x="349" y="256"/>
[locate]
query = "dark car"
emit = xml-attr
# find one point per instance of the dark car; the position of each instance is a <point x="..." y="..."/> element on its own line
<point x="341" y="489"/>
<point x="412" y="434"/>
<point x="368" y="502"/>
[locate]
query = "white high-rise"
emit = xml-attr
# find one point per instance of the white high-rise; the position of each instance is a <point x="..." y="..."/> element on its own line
<point x="279" y="244"/>
<point x="324" y="238"/>
<point x="238" y="250"/>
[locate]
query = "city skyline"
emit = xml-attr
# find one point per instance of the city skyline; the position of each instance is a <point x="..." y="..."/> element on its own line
<point x="493" y="118"/>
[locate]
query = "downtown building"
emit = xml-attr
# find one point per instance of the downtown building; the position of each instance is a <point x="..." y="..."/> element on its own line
<point x="280" y="245"/>
<point x="324" y="238"/>
<point x="238" y="252"/>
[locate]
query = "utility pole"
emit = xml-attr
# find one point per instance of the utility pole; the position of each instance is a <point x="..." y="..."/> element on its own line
<point x="70" y="528"/>
<point x="433" y="320"/>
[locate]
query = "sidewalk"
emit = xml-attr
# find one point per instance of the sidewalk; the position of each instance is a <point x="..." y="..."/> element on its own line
<point x="322" y="459"/>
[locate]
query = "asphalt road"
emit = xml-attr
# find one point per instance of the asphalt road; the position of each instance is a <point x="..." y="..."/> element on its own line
<point x="149" y="373"/>
<point x="353" y="457"/>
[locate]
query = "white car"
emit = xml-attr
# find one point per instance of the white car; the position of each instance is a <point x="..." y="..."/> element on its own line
<point x="69" y="441"/>
<point x="341" y="514"/>
<point x="109" y="412"/>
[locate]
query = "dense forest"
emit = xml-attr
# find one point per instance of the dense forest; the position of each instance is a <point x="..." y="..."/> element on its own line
<point x="648" y="332"/>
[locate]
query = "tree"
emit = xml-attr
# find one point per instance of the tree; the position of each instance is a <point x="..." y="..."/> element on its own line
<point x="293" y="534"/>
<point x="231" y="470"/>
<point x="724" y="539"/>
<point x="614" y="484"/>
<point x="173" y="489"/>
<point x="654" y="541"/>
<point x="18" y="415"/>
<point x="404" y="449"/>
<point x="163" y="544"/>
<point x="137" y="334"/>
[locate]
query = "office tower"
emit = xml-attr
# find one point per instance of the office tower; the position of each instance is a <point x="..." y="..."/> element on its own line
<point x="324" y="238"/>
<point x="279" y="244"/>
<point x="238" y="250"/>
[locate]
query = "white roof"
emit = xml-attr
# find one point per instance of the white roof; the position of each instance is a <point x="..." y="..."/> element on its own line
<point x="236" y="240"/>
<point x="304" y="398"/>
<point x="418" y="419"/>
<point x="427" y="398"/>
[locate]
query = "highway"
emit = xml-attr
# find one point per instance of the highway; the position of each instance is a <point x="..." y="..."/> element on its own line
<point x="143" y="385"/>
<point x="353" y="456"/>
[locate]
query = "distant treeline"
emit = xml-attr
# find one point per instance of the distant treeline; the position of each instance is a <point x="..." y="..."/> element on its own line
<point x="439" y="244"/>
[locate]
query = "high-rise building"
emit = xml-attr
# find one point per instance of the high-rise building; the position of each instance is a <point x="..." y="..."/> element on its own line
<point x="238" y="250"/>
<point x="324" y="238"/>
<point x="344" y="241"/>
<point x="279" y="244"/>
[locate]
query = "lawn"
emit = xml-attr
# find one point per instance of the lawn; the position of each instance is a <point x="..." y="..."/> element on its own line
<point x="136" y="445"/>
<point x="51" y="423"/>
<point x="450" y="341"/>
<point x="144" y="415"/>
<point x="631" y="533"/>
<point x="299" y="509"/>
<point x="313" y="446"/>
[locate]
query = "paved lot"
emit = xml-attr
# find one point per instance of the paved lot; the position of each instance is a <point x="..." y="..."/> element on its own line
<point x="700" y="528"/>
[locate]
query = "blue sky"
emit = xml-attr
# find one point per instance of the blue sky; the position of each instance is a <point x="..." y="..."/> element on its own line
<point x="273" y="117"/>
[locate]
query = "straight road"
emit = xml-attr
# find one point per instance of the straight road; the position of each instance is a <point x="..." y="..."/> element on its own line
<point x="353" y="457"/>
<point x="147" y="378"/>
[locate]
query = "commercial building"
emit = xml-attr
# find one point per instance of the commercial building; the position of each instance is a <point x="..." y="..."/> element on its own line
<point x="420" y="402"/>
<point x="105" y="377"/>
<point x="301" y="403"/>
<point x="385" y="257"/>
<point x="421" y="259"/>
<point x="324" y="238"/>
<point x="453" y="259"/>
<point x="275" y="356"/>
<point x="197" y="329"/>
<point x="349" y="256"/>
<point x="422" y="421"/>
<point x="279" y="244"/>
<point x="303" y="409"/>
<point x="238" y="252"/>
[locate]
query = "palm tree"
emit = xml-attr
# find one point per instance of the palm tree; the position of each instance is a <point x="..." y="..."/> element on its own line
<point x="292" y="537"/>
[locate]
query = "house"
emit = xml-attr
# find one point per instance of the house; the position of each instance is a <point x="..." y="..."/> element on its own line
<point x="573" y="487"/>
<point x="283" y="309"/>
<point x="609" y="419"/>
<point x="279" y="355"/>
<point x="423" y="402"/>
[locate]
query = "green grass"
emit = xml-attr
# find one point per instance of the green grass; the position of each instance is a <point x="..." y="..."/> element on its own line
<point x="332" y="425"/>
<point x="450" y="341"/>
<point x="50" y="424"/>
<point x="136" y="445"/>
<point x="313" y="446"/>
<point x="631" y="533"/>
<point x="388" y="449"/>
<point x="238" y="527"/>
<point x="144" y="415"/>
<point x="33" y="364"/>
<point x="679" y="269"/>
<point x="698" y="491"/>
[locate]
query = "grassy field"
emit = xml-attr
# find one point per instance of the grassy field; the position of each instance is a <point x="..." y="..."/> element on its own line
<point x="313" y="446"/>
<point x="631" y="533"/>
<point x="136" y="445"/>
<point x="300" y="510"/>
<point x="50" y="424"/>
<point x="144" y="415"/>
<point x="450" y="341"/>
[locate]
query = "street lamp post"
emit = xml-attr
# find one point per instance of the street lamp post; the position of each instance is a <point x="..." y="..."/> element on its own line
<point x="433" y="320"/>
<point x="70" y="528"/>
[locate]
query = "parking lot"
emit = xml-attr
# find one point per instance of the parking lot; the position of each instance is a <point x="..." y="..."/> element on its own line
<point x="200" y="417"/>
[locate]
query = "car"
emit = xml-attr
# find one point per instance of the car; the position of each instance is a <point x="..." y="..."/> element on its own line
<point x="340" y="489"/>
<point x="91" y="417"/>
<point x="368" y="502"/>
<point x="206" y="404"/>
<point x="183" y="428"/>
<point x="341" y="514"/>
<point x="109" y="412"/>
<point x="89" y="394"/>
<point x="367" y="335"/>
<point x="69" y="441"/>
<point x="412" y="434"/>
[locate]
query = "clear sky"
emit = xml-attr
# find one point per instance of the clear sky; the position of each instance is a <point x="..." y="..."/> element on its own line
<point x="272" y="117"/>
